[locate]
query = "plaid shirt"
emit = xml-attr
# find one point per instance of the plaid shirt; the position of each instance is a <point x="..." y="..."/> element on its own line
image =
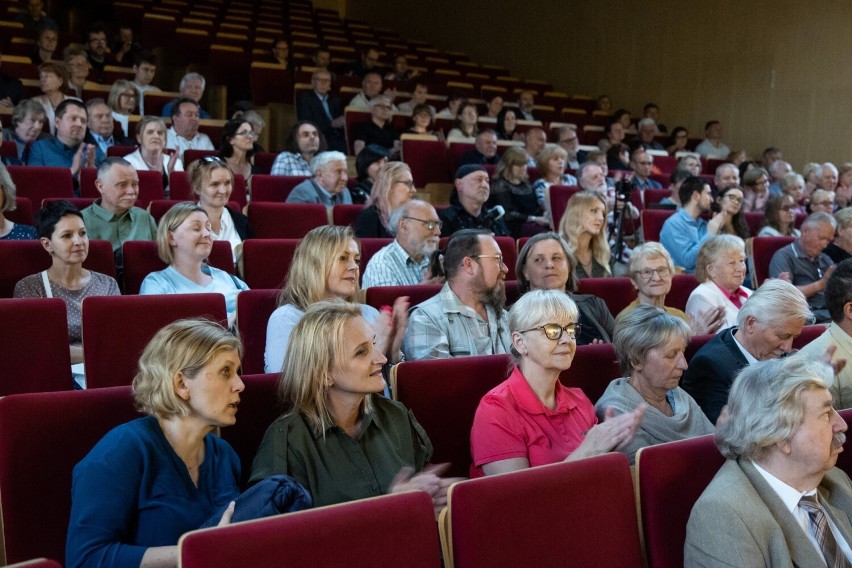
<point x="391" y="266"/>
<point x="289" y="164"/>
<point x="443" y="327"/>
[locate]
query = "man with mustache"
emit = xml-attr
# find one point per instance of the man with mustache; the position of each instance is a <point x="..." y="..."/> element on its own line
<point x="778" y="500"/>
<point x="405" y="261"/>
<point x="467" y="316"/>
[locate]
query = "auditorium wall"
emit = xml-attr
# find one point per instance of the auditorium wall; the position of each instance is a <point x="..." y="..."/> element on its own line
<point x="774" y="73"/>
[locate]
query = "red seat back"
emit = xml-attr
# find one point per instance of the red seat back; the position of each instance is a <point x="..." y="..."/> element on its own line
<point x="379" y="296"/>
<point x="265" y="262"/>
<point x="190" y="156"/>
<point x="755" y="221"/>
<point x="253" y="310"/>
<point x="285" y="220"/>
<point x="763" y="248"/>
<point x="42" y="437"/>
<point x="428" y="161"/>
<point x="559" y="196"/>
<point x="111" y="351"/>
<point x="345" y="214"/>
<point x="35" y="346"/>
<point x="655" y="196"/>
<point x="263" y="161"/>
<point x="682" y="287"/>
<point x="456" y="152"/>
<point x="23" y="212"/>
<point x="616" y="292"/>
<point x="141" y="259"/>
<point x="593" y="368"/>
<point x="404" y="524"/>
<point x="353" y="119"/>
<point x="443" y="395"/>
<point x="809" y="333"/>
<point x="38" y="182"/>
<point x="22" y="258"/>
<point x="652" y="222"/>
<point x="670" y="478"/>
<point x="696" y="342"/>
<point x="273" y="188"/>
<point x="580" y="513"/>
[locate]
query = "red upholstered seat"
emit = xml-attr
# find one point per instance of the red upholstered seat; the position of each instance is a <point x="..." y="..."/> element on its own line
<point x="141" y="258"/>
<point x="22" y="258"/>
<point x="382" y="532"/>
<point x="353" y="119"/>
<point x="263" y="161"/>
<point x="593" y="368"/>
<point x="755" y="221"/>
<point x="37" y="563"/>
<point x="682" y="287"/>
<point x="764" y="248"/>
<point x="655" y="196"/>
<point x="285" y="220"/>
<point x="370" y="246"/>
<point x="844" y="460"/>
<point x="273" y="188"/>
<point x="345" y="214"/>
<point x="150" y="186"/>
<point x="809" y="333"/>
<point x="42" y="437"/>
<point x="120" y="151"/>
<point x="38" y="182"/>
<point x="652" y="222"/>
<point x="265" y="262"/>
<point x="34" y="336"/>
<point x="455" y="152"/>
<point x="23" y="213"/>
<point x="270" y="83"/>
<point x="259" y="407"/>
<point x="579" y="513"/>
<point x="558" y="196"/>
<point x="253" y="310"/>
<point x="443" y="395"/>
<point x="379" y="296"/>
<point x="190" y="156"/>
<point x="428" y="161"/>
<point x="667" y="164"/>
<point x="616" y="292"/>
<point x="696" y="342"/>
<point x="117" y="328"/>
<point x="669" y="479"/>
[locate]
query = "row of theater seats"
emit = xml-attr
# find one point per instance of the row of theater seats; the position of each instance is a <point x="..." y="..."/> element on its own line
<point x="585" y="511"/>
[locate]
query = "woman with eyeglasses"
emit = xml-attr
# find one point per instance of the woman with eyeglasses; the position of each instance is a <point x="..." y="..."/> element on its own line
<point x="678" y="140"/>
<point x="721" y="269"/>
<point x="394" y="186"/>
<point x="780" y="217"/>
<point x="651" y="270"/>
<point x="123" y="101"/>
<point x="236" y="147"/>
<point x="729" y="202"/>
<point x="650" y="345"/>
<point x="532" y="419"/>
<point x="152" y="154"/>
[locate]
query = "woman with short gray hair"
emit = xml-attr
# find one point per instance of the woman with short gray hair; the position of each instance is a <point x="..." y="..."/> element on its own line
<point x="721" y="269"/>
<point x="650" y="345"/>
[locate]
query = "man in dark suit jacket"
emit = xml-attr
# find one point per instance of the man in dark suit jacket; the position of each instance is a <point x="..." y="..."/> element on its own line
<point x="324" y="109"/>
<point x="767" y="505"/>
<point x="768" y="323"/>
<point x="485" y="151"/>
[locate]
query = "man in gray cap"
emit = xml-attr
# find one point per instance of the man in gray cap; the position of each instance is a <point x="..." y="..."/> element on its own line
<point x="471" y="182"/>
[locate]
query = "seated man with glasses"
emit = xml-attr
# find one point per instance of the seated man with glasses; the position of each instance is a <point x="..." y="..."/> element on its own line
<point x="531" y="418"/>
<point x="570" y="142"/>
<point x="379" y="130"/>
<point x="467" y="316"/>
<point x="405" y="262"/>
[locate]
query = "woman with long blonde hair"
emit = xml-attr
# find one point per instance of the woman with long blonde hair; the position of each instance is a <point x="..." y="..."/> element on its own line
<point x="584" y="227"/>
<point x="394" y="186"/>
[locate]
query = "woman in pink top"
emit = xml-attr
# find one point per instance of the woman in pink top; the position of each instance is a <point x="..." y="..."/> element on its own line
<point x="531" y="419"/>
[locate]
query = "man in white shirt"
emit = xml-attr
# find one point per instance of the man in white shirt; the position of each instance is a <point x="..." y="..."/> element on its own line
<point x="144" y="69"/>
<point x="712" y="146"/>
<point x="183" y="134"/>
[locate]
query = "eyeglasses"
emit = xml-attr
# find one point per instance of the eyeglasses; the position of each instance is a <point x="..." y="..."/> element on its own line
<point x="554" y="331"/>
<point x="568" y="140"/>
<point x="734" y="198"/>
<point x="213" y="160"/>
<point x="249" y="133"/>
<point x="787" y="208"/>
<point x="497" y="257"/>
<point x="407" y="182"/>
<point x="128" y="95"/>
<point x="647" y="273"/>
<point x="430" y="225"/>
<point x="822" y="203"/>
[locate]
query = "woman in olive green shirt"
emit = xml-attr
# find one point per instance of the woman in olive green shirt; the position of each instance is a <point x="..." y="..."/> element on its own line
<point x="340" y="439"/>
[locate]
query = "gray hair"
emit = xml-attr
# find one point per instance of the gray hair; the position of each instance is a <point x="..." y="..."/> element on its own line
<point x="843" y="218"/>
<point x="25" y="107"/>
<point x="819" y="218"/>
<point x="8" y="188"/>
<point x="765" y="404"/>
<point x="645" y="122"/>
<point x="789" y="179"/>
<point x="647" y="251"/>
<point x="582" y="169"/>
<point x="404" y="210"/>
<point x="252" y="117"/>
<point x="712" y="249"/>
<point x="829" y="165"/>
<point x="323" y="159"/>
<point x="774" y="302"/>
<point x="108" y="163"/>
<point x="379" y="99"/>
<point x="776" y="166"/>
<point x="192" y="76"/>
<point x="539" y="307"/>
<point x="644" y="328"/>
<point x="722" y="167"/>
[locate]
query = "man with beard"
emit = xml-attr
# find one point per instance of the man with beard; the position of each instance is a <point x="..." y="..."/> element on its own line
<point x="405" y="261"/>
<point x="778" y="500"/>
<point x="468" y="208"/>
<point x="466" y="317"/>
<point x="303" y="143"/>
<point x="684" y="232"/>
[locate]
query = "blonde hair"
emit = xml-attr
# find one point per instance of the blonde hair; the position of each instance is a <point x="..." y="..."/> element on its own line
<point x="648" y="251"/>
<point x="184" y="346"/>
<point x="571" y="226"/>
<point x="315" y="254"/>
<point x="200" y="171"/>
<point x="173" y="219"/>
<point x="547" y="152"/>
<point x="712" y="249"/>
<point x="7" y="188"/>
<point x="389" y="175"/>
<point x="316" y="346"/>
<point x="119" y="87"/>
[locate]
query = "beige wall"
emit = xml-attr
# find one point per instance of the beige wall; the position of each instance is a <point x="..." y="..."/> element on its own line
<point x="774" y="73"/>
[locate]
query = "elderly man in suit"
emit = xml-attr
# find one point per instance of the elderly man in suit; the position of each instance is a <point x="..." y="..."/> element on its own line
<point x="323" y="108"/>
<point x="767" y="324"/>
<point x="778" y="500"/>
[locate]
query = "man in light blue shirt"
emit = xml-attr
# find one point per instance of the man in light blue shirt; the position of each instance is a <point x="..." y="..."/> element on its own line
<point x="328" y="186"/>
<point x="684" y="232"/>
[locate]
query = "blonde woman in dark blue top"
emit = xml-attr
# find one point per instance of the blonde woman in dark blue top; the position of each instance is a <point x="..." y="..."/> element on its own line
<point x="150" y="480"/>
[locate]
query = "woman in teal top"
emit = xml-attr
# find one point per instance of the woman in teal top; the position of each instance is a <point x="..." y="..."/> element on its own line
<point x="184" y="241"/>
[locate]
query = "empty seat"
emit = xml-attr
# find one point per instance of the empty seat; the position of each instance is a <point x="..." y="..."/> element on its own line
<point x="117" y="328"/>
<point x="253" y="310"/>
<point x="42" y="437"/>
<point x="382" y="532"/>
<point x="38" y="182"/>
<point x="764" y="248"/>
<point x="285" y="220"/>
<point x="35" y="346"/>
<point x="141" y="259"/>
<point x="428" y="161"/>
<point x="580" y="513"/>
<point x="265" y="262"/>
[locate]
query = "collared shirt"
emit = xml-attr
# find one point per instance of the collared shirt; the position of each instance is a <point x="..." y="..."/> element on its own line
<point x="682" y="236"/>
<point x="791" y="496"/>
<point x="103" y="143"/>
<point x="228" y="232"/>
<point x="443" y="327"/>
<point x="335" y="467"/>
<point x="51" y="152"/>
<point x="841" y="386"/>
<point x="310" y="191"/>
<point x="708" y="150"/>
<point x="803" y="270"/>
<point x="647" y="183"/>
<point x="392" y="266"/>
<point x="511" y="422"/>
<point x="134" y="224"/>
<point x="751" y="359"/>
<point x="324" y="102"/>
<point x="737" y="297"/>
<point x="198" y="142"/>
<point x="290" y="164"/>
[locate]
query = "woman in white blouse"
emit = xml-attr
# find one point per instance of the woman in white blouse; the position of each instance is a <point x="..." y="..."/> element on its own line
<point x="151" y="155"/>
<point x="721" y="269"/>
